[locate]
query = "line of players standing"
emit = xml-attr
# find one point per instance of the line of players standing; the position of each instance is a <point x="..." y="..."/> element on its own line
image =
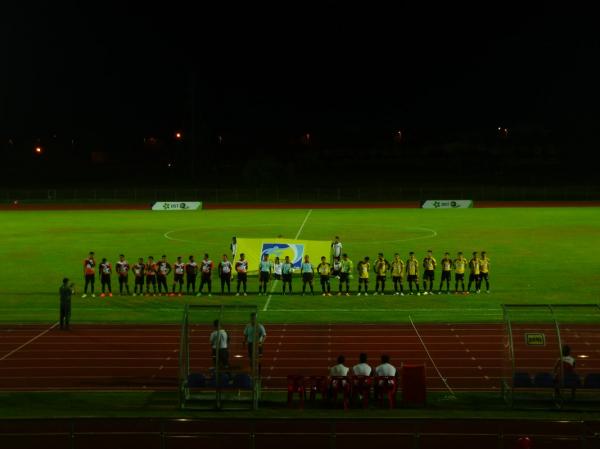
<point x="150" y="277"/>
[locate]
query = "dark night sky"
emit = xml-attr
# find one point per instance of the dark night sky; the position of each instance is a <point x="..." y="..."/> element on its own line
<point x="124" y="69"/>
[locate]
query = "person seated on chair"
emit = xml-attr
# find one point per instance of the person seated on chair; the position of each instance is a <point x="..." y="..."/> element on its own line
<point x="565" y="366"/>
<point x="385" y="369"/>
<point x="339" y="370"/>
<point x="362" y="368"/>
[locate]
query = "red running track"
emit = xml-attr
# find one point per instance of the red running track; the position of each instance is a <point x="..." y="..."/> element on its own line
<point x="138" y="357"/>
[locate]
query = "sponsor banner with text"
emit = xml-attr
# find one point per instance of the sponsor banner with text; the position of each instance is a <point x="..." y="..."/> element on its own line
<point x="447" y="204"/>
<point x="177" y="205"/>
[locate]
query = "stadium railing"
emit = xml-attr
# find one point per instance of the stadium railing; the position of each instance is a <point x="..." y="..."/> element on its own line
<point x="317" y="194"/>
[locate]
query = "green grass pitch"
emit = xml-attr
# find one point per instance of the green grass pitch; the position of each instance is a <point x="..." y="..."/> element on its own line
<point x="539" y="255"/>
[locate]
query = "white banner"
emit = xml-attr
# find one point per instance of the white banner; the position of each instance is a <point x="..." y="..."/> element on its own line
<point x="447" y="204"/>
<point x="177" y="205"/>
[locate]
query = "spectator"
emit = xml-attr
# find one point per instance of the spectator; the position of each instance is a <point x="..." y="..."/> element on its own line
<point x="362" y="368"/>
<point x="219" y="341"/>
<point x="339" y="370"/>
<point x="385" y="369"/>
<point x="564" y="367"/>
<point x="261" y="334"/>
<point x="66" y="292"/>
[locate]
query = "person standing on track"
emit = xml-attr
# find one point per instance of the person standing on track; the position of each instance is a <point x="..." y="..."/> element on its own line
<point x="252" y="328"/>
<point x="179" y="269"/>
<point x="138" y="271"/>
<point x="286" y="274"/>
<point x="105" y="270"/>
<point x="89" y="273"/>
<point x="241" y="268"/>
<point x="398" y="274"/>
<point x="66" y="291"/>
<point x="164" y="268"/>
<point x="345" y="273"/>
<point x="324" y="270"/>
<point x="122" y="268"/>
<point x="219" y="342"/>
<point x="191" y="272"/>
<point x="225" y="269"/>
<point x="308" y="273"/>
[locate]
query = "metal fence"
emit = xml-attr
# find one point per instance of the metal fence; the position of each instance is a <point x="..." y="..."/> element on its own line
<point x="309" y="194"/>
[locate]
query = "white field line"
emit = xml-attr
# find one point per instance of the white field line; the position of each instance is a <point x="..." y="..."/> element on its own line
<point x="266" y="307"/>
<point x="31" y="340"/>
<point x="430" y="358"/>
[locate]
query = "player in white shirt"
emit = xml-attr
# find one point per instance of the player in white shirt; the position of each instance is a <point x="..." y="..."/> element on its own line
<point x="219" y="340"/>
<point x="336" y="248"/>
<point x="277" y="269"/>
<point x="385" y="369"/>
<point x="339" y="370"/>
<point x="225" y="268"/>
<point x="233" y="247"/>
<point x="362" y="368"/>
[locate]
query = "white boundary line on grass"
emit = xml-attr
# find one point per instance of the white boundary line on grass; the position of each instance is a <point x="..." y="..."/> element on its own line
<point x="266" y="307"/>
<point x="31" y="340"/>
<point x="430" y="358"/>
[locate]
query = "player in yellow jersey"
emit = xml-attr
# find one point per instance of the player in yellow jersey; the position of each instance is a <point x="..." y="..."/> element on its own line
<point x="475" y="273"/>
<point x="412" y="273"/>
<point x="324" y="270"/>
<point x="381" y="268"/>
<point x="460" y="265"/>
<point x="484" y="267"/>
<point x="363" y="268"/>
<point x="397" y="274"/>
<point x="429" y="264"/>
<point x="446" y="263"/>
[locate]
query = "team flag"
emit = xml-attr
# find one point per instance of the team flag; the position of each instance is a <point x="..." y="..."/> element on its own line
<point x="254" y="249"/>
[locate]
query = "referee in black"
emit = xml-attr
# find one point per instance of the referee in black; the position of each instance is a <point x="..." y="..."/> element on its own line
<point x="66" y="290"/>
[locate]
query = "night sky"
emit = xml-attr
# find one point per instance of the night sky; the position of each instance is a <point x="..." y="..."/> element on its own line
<point x="109" y="74"/>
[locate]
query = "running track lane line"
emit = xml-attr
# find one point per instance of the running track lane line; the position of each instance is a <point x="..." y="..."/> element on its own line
<point x="430" y="358"/>
<point x="31" y="340"/>
<point x="266" y="307"/>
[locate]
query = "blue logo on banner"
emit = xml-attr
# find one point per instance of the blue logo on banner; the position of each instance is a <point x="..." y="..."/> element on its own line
<point x="294" y="250"/>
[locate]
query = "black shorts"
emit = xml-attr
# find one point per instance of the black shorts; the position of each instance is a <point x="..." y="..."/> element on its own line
<point x="139" y="280"/>
<point x="380" y="278"/>
<point x="474" y="277"/>
<point x="286" y="277"/>
<point x="105" y="278"/>
<point x="264" y="276"/>
<point x="123" y="279"/>
<point x="459" y="276"/>
<point x="429" y="275"/>
<point x="485" y="276"/>
<point x="259" y="350"/>
<point x="446" y="275"/>
<point x="150" y="280"/>
<point x="363" y="280"/>
<point x="412" y="278"/>
<point x="178" y="278"/>
<point x="397" y="278"/>
<point x="277" y="276"/>
<point x="307" y="277"/>
<point x="206" y="277"/>
<point x="344" y="277"/>
<point x="324" y="278"/>
<point x="90" y="277"/>
<point x="242" y="277"/>
<point x="225" y="276"/>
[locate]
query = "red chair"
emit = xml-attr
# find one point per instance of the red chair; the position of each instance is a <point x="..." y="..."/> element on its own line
<point x="317" y="384"/>
<point x="341" y="384"/>
<point x="361" y="386"/>
<point x="295" y="384"/>
<point x="386" y="386"/>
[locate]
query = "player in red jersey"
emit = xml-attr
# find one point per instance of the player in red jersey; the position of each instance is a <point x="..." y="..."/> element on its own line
<point x="206" y="267"/>
<point x="122" y="267"/>
<point x="150" y="270"/>
<point x="179" y="269"/>
<point x="138" y="271"/>
<point x="163" y="269"/>
<point x="89" y="273"/>
<point x="105" y="270"/>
